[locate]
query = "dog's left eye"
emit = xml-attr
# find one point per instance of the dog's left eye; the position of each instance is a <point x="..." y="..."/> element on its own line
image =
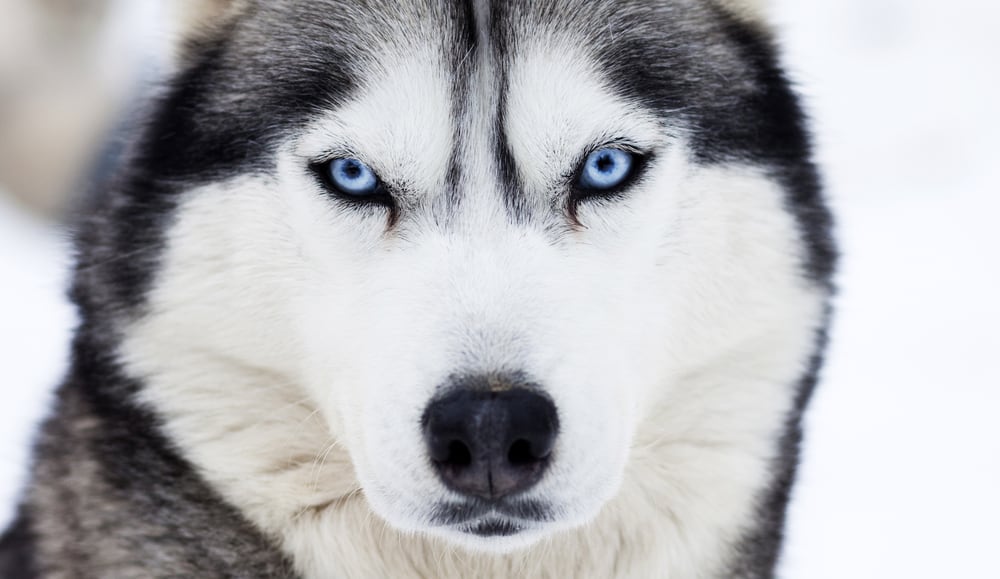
<point x="605" y="169"/>
<point x="352" y="177"/>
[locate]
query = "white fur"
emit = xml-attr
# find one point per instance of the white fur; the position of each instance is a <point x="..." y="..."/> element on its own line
<point x="292" y="343"/>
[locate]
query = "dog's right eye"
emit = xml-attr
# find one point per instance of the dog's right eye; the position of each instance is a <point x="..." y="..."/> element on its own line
<point x="352" y="177"/>
<point x="353" y="181"/>
<point x="606" y="169"/>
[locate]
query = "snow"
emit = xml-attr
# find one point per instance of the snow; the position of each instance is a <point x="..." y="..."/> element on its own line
<point x="35" y="323"/>
<point x="902" y="460"/>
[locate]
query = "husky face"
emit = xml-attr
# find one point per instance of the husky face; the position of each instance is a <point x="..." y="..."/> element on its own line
<point x="302" y="340"/>
<point x="467" y="281"/>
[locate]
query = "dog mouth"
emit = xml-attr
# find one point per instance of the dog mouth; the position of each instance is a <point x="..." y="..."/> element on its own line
<point x="481" y="518"/>
<point x="493" y="527"/>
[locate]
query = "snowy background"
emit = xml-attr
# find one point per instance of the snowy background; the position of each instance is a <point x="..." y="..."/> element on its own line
<point x="901" y="476"/>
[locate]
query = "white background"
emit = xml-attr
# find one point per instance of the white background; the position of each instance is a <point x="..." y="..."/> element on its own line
<point x="901" y="476"/>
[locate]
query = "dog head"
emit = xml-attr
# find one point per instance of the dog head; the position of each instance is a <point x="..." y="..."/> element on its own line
<point x="459" y="257"/>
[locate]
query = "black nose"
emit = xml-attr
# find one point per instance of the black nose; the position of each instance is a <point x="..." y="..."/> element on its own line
<point x="490" y="444"/>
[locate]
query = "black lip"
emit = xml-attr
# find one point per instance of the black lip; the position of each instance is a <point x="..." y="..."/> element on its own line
<point x="474" y="510"/>
<point x="494" y="527"/>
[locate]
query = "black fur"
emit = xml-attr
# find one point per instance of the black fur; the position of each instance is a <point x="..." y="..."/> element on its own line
<point x="747" y="113"/>
<point x="501" y="40"/>
<point x="758" y="552"/>
<point x="740" y="106"/>
<point x="136" y="482"/>
<point x="17" y="548"/>
<point x="205" y="127"/>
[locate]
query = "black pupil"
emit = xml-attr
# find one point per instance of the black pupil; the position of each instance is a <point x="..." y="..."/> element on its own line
<point x="352" y="170"/>
<point x="605" y="162"/>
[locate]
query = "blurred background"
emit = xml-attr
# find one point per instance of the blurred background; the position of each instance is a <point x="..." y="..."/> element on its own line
<point x="901" y="473"/>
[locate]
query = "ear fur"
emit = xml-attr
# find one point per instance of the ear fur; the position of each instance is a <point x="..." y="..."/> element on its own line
<point x="197" y="20"/>
<point x="752" y="11"/>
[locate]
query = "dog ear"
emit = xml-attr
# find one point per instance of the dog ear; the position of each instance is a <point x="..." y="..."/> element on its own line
<point x="753" y="11"/>
<point x="197" y="20"/>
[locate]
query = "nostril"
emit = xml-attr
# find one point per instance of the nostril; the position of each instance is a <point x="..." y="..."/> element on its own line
<point x="520" y="453"/>
<point x="458" y="454"/>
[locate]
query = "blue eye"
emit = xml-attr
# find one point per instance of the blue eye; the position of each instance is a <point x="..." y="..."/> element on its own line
<point x="352" y="177"/>
<point x="606" y="168"/>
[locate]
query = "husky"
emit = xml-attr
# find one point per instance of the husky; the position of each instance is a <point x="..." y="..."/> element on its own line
<point x="444" y="289"/>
